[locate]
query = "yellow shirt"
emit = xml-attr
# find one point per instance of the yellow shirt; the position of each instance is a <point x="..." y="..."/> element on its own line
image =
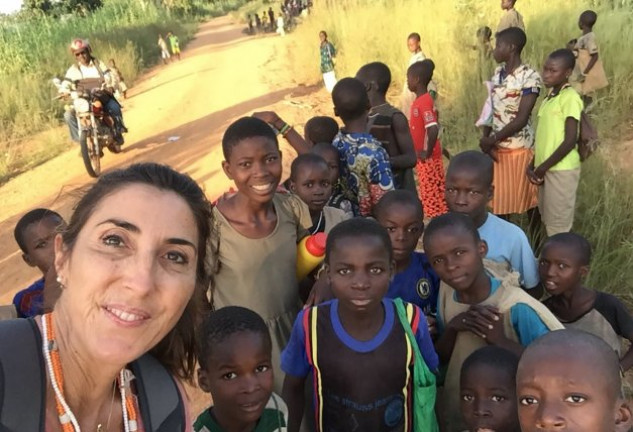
<point x="550" y="132"/>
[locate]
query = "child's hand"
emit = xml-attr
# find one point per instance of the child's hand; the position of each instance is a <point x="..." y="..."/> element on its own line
<point x="532" y="177"/>
<point x="431" y="322"/>
<point x="486" y="322"/>
<point x="320" y="293"/>
<point x="269" y="117"/>
<point x="423" y="155"/>
<point x="460" y="322"/>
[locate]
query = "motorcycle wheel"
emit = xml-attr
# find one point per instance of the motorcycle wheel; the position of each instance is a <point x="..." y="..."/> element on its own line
<point x="90" y="152"/>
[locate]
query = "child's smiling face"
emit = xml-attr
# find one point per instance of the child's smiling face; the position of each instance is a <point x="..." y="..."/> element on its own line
<point x="359" y="270"/>
<point x="559" y="389"/>
<point x="488" y="399"/>
<point x="254" y="165"/>
<point x="239" y="376"/>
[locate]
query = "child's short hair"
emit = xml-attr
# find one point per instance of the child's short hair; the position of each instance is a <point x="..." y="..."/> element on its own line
<point x="415" y="36"/>
<point x="566" y="55"/>
<point x="453" y="220"/>
<point x="514" y="36"/>
<point x="303" y="160"/>
<point x="472" y="160"/>
<point x="576" y="242"/>
<point x="377" y="72"/>
<point x="423" y="70"/>
<point x="582" y="346"/>
<point x="589" y="18"/>
<point x="400" y="196"/>
<point x="321" y="129"/>
<point x="219" y="325"/>
<point x="29" y="218"/>
<point x="355" y="228"/>
<point x="499" y="358"/>
<point x="244" y="128"/>
<point x="350" y="99"/>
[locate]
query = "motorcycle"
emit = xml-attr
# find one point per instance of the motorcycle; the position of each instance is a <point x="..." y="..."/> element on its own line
<point x="96" y="126"/>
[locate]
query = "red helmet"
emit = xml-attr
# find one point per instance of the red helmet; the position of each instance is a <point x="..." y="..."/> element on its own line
<point x="79" y="45"/>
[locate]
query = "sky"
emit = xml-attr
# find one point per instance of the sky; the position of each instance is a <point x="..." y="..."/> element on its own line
<point x="8" y="6"/>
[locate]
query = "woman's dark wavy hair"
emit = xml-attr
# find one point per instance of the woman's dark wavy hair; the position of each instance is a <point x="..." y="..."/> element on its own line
<point x="177" y="350"/>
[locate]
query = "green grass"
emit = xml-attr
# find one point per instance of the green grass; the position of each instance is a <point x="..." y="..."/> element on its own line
<point x="376" y="30"/>
<point x="35" y="50"/>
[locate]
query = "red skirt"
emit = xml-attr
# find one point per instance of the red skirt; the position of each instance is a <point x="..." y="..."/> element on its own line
<point x="429" y="182"/>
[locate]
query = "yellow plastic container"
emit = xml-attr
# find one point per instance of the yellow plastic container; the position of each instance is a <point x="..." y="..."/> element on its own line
<point x="310" y="254"/>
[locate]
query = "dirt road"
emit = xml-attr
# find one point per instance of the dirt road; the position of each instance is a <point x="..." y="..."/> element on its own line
<point x="223" y="75"/>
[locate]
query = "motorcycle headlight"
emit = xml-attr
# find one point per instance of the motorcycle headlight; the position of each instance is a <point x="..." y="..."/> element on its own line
<point x="81" y="105"/>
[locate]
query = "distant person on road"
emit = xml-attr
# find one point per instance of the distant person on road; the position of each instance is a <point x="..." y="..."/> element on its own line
<point x="118" y="83"/>
<point x="280" y="26"/>
<point x="164" y="52"/>
<point x="35" y="234"/>
<point x="258" y="23"/>
<point x="328" y="52"/>
<point x="174" y="44"/>
<point x="251" y="28"/>
<point x="271" y="17"/>
<point x="511" y="17"/>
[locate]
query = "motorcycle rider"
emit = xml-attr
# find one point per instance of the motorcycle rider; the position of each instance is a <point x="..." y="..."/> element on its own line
<point x="89" y="67"/>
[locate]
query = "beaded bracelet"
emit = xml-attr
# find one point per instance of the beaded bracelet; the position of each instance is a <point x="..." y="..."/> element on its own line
<point x="284" y="130"/>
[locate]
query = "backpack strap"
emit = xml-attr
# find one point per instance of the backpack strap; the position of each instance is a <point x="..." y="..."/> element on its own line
<point x="160" y="401"/>
<point x="22" y="377"/>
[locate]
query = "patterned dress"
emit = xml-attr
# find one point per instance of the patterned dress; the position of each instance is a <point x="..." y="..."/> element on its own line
<point x="365" y="170"/>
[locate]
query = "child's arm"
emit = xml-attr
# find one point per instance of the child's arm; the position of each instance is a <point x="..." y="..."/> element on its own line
<point x="294" y="395"/>
<point x="290" y="134"/>
<point x="431" y="134"/>
<point x="568" y="144"/>
<point x="591" y="64"/>
<point x="446" y="342"/>
<point x="406" y="157"/>
<point x="519" y="122"/>
<point x="294" y="362"/>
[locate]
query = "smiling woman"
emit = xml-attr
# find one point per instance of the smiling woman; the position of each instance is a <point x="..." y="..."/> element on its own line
<point x="132" y="270"/>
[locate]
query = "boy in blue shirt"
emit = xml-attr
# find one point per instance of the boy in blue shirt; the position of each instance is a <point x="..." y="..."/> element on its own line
<point x="468" y="190"/>
<point x="414" y="281"/>
<point x="35" y="234"/>
<point x="354" y="348"/>
<point x="475" y="309"/>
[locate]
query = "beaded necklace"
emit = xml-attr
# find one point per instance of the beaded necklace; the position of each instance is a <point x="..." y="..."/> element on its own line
<point x="67" y="419"/>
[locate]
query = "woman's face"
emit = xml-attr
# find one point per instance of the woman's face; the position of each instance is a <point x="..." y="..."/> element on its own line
<point x="129" y="275"/>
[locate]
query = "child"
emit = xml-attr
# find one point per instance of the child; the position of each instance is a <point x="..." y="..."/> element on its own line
<point x="511" y="17"/>
<point x="414" y="281"/>
<point x="320" y="129"/>
<point x="164" y="52"/>
<point x="258" y="23"/>
<point x="475" y="309"/>
<point x="570" y="380"/>
<point x="251" y="25"/>
<point x="327" y="52"/>
<point x="310" y="181"/>
<point x="589" y="74"/>
<point x="389" y="124"/>
<point x="407" y="98"/>
<point x="509" y="138"/>
<point x="330" y="154"/>
<point x="174" y="44"/>
<point x="117" y="80"/>
<point x="35" y="233"/>
<point x="468" y="191"/>
<point x="556" y="165"/>
<point x="484" y="53"/>
<point x="257" y="233"/>
<point x="429" y="169"/>
<point x="236" y="369"/>
<point x="563" y="265"/>
<point x="488" y="390"/>
<point x="355" y="349"/>
<point x="364" y="164"/>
